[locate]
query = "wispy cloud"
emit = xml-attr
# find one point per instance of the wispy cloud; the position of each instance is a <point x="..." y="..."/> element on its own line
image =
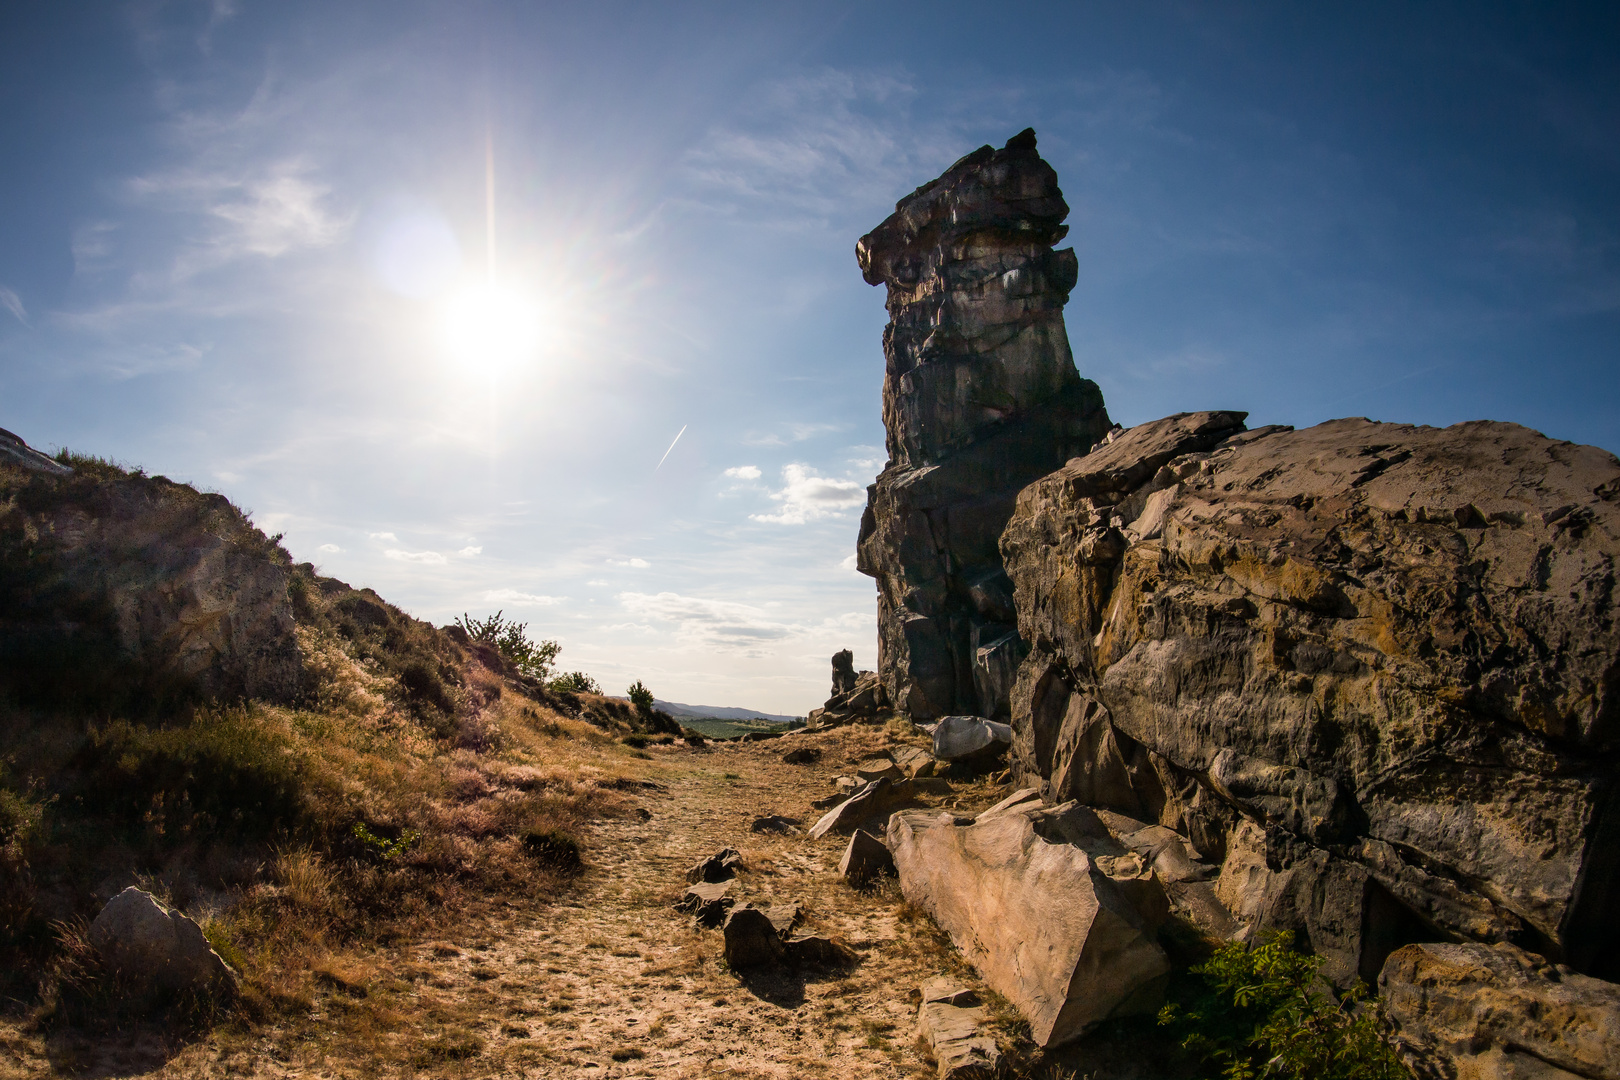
<point x="384" y="536"/>
<point x="426" y="558"/>
<point x="521" y="599"/>
<point x="806" y="497"/>
<point x="634" y="564"/>
<point x="329" y="549"/>
<point x="792" y="433"/>
<point x="13" y="303"/>
<point x="743" y="472"/>
<point x="470" y="550"/>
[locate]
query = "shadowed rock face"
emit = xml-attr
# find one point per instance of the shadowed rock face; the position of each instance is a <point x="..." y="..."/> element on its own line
<point x="1393" y="648"/>
<point x="980" y="396"/>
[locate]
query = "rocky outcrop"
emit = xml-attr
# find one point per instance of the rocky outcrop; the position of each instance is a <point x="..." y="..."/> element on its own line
<point x="856" y="696"/>
<point x="1057" y="929"/>
<point x="13" y="451"/>
<point x="953" y="1022"/>
<point x="118" y="584"/>
<point x="151" y="946"/>
<point x="980" y="397"/>
<point x="1374" y="669"/>
<point x="1476" y="1012"/>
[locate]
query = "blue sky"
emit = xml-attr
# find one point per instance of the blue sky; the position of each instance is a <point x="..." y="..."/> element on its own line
<point x="235" y="237"/>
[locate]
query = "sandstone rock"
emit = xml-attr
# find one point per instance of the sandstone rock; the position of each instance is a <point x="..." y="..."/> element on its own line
<point x="803" y="755"/>
<point x="865" y="858"/>
<point x="912" y="761"/>
<point x="141" y="584"/>
<point x="970" y="738"/>
<point x="952" y="1020"/>
<point x="877" y="769"/>
<point x="148" y="943"/>
<point x="843" y="677"/>
<point x="751" y="939"/>
<point x="721" y="865"/>
<point x="1498" y="1013"/>
<point x="707" y="902"/>
<point x="813" y="950"/>
<point x="980" y="396"/>
<point x="1038" y="919"/>
<point x="871" y="800"/>
<point x="775" y="823"/>
<point x="1393" y="648"/>
<point x="13" y="451"/>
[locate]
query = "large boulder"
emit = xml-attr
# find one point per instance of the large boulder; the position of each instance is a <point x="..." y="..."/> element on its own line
<point x="870" y="800"/>
<point x="1477" y="1012"/>
<point x="1035" y="914"/>
<point x="1392" y="648"/>
<point x="980" y="396"/>
<point x="970" y="738"/>
<point x="149" y="944"/>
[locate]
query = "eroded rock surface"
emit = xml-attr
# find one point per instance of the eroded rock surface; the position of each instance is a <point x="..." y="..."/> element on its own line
<point x="151" y="945"/>
<point x="980" y="396"/>
<point x="1373" y="668"/>
<point x="1498" y="1013"/>
<point x="1037" y="915"/>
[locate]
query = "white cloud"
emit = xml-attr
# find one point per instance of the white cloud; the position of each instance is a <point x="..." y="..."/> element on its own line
<point x="385" y="536"/>
<point x="513" y="596"/>
<point x="731" y="626"/>
<point x="429" y="558"/>
<point x="598" y="581"/>
<point x="743" y="472"/>
<point x="469" y="551"/>
<point x="13" y="303"/>
<point x="793" y="434"/>
<point x="330" y="549"/>
<point x="636" y="564"/>
<point x="808" y="497"/>
<point x="847" y="562"/>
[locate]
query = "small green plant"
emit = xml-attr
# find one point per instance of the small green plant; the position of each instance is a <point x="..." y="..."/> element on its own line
<point x="575" y="682"/>
<point x="641" y="698"/>
<point x="532" y="658"/>
<point x="1265" y="1013"/>
<point x="384" y="849"/>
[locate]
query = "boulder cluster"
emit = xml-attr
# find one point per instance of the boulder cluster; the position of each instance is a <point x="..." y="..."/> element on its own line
<point x="1360" y="681"/>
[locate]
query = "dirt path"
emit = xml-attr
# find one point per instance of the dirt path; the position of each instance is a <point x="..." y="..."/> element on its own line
<point x="609" y="980"/>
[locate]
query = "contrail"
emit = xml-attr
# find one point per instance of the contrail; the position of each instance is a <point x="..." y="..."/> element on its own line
<point x="677" y="439"/>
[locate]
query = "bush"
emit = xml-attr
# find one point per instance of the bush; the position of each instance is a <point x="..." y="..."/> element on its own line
<point x="511" y="640"/>
<point x="641" y="698"/>
<point x="554" y="850"/>
<point x="1266" y="1012"/>
<point x="575" y="682"/>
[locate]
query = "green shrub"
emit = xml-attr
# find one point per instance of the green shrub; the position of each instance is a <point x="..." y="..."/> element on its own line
<point x="1266" y="1013"/>
<point x="637" y="739"/>
<point x="641" y="698"/>
<point x="382" y="848"/>
<point x="532" y="658"/>
<point x="575" y="682"/>
<point x="218" y="772"/>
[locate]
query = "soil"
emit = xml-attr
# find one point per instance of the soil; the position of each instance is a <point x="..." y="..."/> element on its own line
<point x="608" y="980"/>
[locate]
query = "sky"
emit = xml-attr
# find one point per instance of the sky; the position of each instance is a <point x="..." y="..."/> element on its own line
<point x="553" y="308"/>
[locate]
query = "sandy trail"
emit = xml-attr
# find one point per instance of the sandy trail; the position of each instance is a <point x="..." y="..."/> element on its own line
<point x="608" y="980"/>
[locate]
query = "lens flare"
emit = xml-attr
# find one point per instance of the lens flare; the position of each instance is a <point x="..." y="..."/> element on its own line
<point x="491" y="327"/>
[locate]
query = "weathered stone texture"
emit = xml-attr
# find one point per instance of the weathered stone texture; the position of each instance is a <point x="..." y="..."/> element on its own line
<point x="150" y="945"/>
<point x="980" y="396"/>
<point x="1392" y="648"/>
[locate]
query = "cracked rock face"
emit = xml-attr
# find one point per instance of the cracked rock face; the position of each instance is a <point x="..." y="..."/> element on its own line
<point x="980" y="397"/>
<point x="1373" y="667"/>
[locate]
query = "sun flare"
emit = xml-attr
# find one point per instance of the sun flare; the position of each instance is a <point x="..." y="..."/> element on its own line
<point x="491" y="327"/>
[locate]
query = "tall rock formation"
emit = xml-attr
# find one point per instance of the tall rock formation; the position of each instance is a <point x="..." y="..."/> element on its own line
<point x="1375" y="668"/>
<point x="980" y="397"/>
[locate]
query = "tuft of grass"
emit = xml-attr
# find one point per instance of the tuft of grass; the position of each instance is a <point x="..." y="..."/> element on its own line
<point x="555" y="850"/>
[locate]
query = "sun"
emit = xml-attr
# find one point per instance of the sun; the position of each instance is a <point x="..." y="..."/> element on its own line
<point x="491" y="327"/>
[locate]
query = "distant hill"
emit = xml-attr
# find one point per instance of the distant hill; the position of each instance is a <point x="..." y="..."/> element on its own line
<point x="718" y="712"/>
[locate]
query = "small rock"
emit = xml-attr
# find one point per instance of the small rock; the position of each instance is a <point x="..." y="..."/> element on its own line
<point x="951" y="1021"/>
<point x="147" y="942"/>
<point x="830" y="800"/>
<point x="877" y="769"/>
<point x="810" y="950"/>
<point x="913" y="761"/>
<point x="865" y="858"/>
<point x="708" y="902"/>
<point x="970" y="738"/>
<point x="931" y="785"/>
<point x="776" y="823"/>
<point x="784" y="917"/>
<point x="848" y="784"/>
<point x="720" y="866"/>
<point x="751" y="939"/>
<point x="873" y="799"/>
<point x="804" y="755"/>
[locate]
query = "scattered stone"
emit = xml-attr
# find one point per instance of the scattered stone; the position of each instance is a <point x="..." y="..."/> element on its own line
<point x="708" y="902"/>
<point x="865" y="858"/>
<point x="848" y="784"/>
<point x="776" y="823"/>
<point x="1022" y="797"/>
<point x="150" y="944"/>
<point x="784" y="917"/>
<point x="913" y="761"/>
<point x="1490" y="1012"/>
<point x="876" y="769"/>
<point x="871" y="800"/>
<point x="804" y="755"/>
<point x="752" y="939"/>
<point x="720" y="866"/>
<point x="970" y="738"/>
<point x="1040" y="920"/>
<point x="951" y="1020"/>
<point x="931" y="785"/>
<point x="830" y="800"/>
<point x="760" y="736"/>
<point x="811" y="950"/>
